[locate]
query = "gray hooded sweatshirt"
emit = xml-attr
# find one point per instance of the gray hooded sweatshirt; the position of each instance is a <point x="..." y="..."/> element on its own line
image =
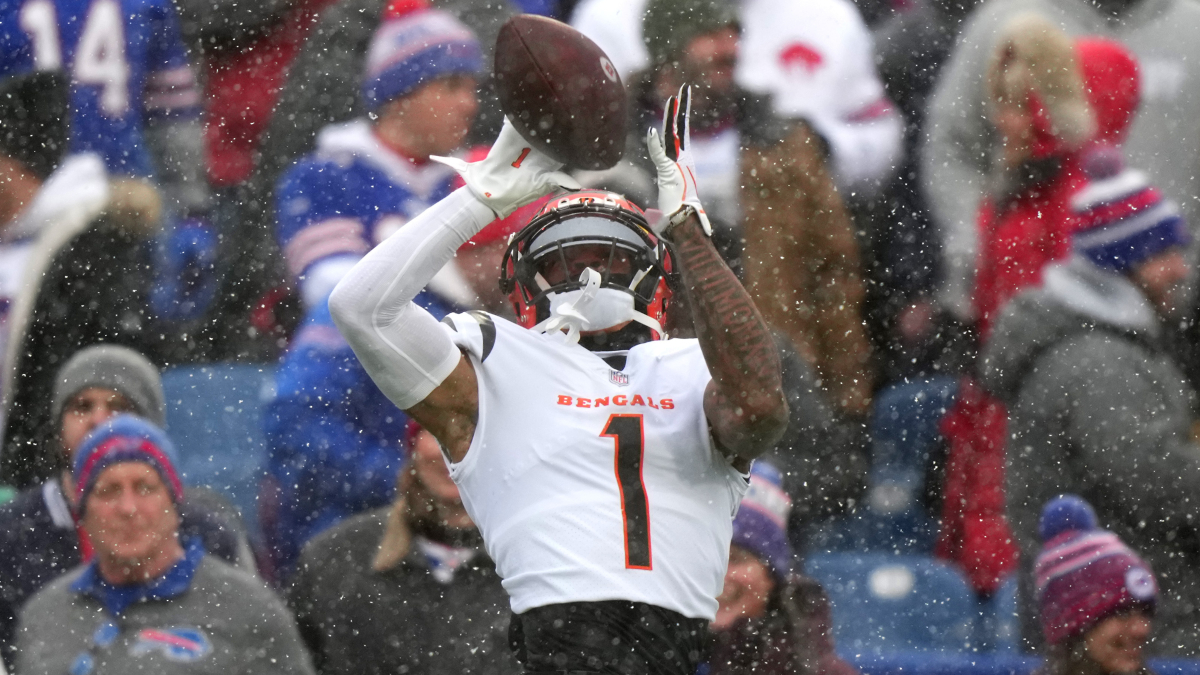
<point x="1097" y="408"/>
<point x="1164" y="138"/>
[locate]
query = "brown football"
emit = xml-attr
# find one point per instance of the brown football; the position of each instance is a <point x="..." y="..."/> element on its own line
<point x="561" y="92"/>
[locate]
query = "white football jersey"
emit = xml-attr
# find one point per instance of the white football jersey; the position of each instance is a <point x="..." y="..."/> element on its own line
<point x="589" y="483"/>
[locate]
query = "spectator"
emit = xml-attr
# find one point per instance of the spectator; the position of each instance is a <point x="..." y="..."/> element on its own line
<point x="813" y="60"/>
<point x="369" y="176"/>
<point x="1096" y="406"/>
<point x="75" y="261"/>
<point x="770" y="620"/>
<point x="333" y="455"/>
<point x="766" y="180"/>
<point x="405" y="588"/>
<point x="1060" y="102"/>
<point x="133" y="96"/>
<point x="963" y="142"/>
<point x="152" y="599"/>
<point x="243" y="50"/>
<point x="316" y="94"/>
<point x="134" y="101"/>
<point x="904" y="260"/>
<point x="1096" y="597"/>
<point x="335" y="442"/>
<point x="39" y="533"/>
<point x="824" y="458"/>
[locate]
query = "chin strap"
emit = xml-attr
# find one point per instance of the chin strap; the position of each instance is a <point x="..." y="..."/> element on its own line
<point x="572" y="315"/>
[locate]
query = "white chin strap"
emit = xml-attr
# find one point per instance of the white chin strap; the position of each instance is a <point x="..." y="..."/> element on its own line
<point x="592" y="308"/>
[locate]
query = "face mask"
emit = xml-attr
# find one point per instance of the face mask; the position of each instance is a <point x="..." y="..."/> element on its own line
<point x="591" y="308"/>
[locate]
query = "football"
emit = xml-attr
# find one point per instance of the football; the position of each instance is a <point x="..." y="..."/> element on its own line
<point x="561" y="92"/>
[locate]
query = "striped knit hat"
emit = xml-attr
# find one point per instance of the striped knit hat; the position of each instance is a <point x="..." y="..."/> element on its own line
<point x="125" y="438"/>
<point x="1085" y="574"/>
<point x="1123" y="220"/>
<point x="761" y="523"/>
<point x="414" y="49"/>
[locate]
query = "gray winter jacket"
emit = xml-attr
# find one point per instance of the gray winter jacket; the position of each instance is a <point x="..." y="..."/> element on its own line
<point x="1097" y="408"/>
<point x="1164" y="138"/>
<point x="225" y="622"/>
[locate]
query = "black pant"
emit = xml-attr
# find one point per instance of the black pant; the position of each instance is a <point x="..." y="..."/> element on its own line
<point x="611" y="637"/>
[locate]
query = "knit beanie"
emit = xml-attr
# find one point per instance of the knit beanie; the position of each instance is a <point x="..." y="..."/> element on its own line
<point x="760" y="526"/>
<point x="1085" y="574"/>
<point x="415" y="48"/>
<point x="669" y="25"/>
<point x="111" y="367"/>
<point x="1123" y="220"/>
<point x="125" y="438"/>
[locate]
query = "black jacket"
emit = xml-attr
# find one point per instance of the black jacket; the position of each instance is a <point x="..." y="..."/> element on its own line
<point x="359" y="621"/>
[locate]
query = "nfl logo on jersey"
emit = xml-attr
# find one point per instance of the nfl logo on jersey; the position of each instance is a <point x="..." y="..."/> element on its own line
<point x="618" y="378"/>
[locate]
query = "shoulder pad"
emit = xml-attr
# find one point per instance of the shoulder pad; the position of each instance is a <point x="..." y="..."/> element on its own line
<point x="473" y="331"/>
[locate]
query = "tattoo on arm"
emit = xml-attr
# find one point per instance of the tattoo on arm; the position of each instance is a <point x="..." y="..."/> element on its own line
<point x="745" y="403"/>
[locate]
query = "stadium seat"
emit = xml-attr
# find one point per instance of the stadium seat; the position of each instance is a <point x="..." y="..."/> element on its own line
<point x="214" y="416"/>
<point x="888" y="603"/>
<point x="866" y="530"/>
<point x="904" y="429"/>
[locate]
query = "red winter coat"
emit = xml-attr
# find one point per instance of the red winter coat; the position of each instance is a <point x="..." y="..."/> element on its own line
<point x="241" y="88"/>
<point x="1016" y="242"/>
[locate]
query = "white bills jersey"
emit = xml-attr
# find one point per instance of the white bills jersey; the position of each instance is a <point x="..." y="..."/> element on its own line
<point x="588" y="483"/>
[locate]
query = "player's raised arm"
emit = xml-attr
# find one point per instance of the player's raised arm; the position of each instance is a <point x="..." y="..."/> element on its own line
<point x="744" y="402"/>
<point x="402" y="347"/>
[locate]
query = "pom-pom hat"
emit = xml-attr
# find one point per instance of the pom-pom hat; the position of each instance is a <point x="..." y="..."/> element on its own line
<point x="125" y="438"/>
<point x="1123" y="220"/>
<point x="761" y="522"/>
<point x="1085" y="574"/>
<point x="414" y="49"/>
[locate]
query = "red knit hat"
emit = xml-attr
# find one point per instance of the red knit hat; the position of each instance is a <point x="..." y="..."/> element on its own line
<point x="1085" y="574"/>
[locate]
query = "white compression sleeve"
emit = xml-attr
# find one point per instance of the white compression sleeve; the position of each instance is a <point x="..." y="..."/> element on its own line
<point x="401" y="345"/>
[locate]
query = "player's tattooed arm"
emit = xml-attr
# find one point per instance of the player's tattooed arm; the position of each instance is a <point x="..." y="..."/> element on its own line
<point x="745" y="404"/>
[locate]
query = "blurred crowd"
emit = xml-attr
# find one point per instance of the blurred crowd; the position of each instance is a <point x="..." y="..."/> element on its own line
<point x="994" y="199"/>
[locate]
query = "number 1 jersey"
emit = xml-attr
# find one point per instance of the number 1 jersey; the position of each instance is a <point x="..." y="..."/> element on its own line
<point x="588" y="483"/>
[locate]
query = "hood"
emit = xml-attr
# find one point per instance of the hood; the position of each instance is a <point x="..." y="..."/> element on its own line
<point x="1113" y="85"/>
<point x="76" y="192"/>
<point x="1075" y="297"/>
<point x="357" y="139"/>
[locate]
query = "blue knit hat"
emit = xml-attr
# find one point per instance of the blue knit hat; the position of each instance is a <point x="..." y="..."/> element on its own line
<point x="1123" y="219"/>
<point x="414" y="49"/>
<point x="125" y="438"/>
<point x="761" y="523"/>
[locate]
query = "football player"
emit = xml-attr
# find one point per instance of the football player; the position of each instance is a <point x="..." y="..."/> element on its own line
<point x="601" y="461"/>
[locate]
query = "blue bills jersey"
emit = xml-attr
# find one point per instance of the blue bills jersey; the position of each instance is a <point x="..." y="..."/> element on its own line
<point x="349" y="195"/>
<point x="127" y="65"/>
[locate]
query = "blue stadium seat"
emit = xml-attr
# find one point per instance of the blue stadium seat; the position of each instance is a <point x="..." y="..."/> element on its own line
<point x="904" y="429"/>
<point x="866" y="530"/>
<point x="214" y="416"/>
<point x="888" y="603"/>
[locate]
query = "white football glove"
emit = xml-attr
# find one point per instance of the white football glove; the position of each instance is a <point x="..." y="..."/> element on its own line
<point x="675" y="163"/>
<point x="513" y="174"/>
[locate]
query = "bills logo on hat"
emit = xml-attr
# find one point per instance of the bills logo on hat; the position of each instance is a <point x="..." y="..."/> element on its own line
<point x="179" y="643"/>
